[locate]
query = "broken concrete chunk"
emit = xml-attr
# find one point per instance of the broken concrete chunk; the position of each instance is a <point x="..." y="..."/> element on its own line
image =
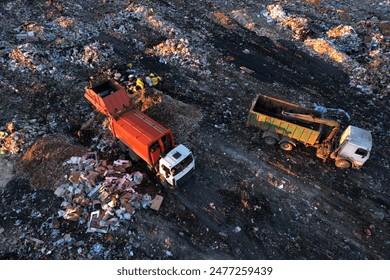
<point x="91" y="177"/>
<point x="82" y="201"/>
<point x="74" y="177"/>
<point x="146" y="200"/>
<point x="36" y="240"/>
<point x="60" y="191"/>
<point x="156" y="202"/>
<point x="74" y="160"/>
<point x="92" y="193"/>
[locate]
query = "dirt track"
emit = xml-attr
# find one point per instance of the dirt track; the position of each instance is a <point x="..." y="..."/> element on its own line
<point x="246" y="200"/>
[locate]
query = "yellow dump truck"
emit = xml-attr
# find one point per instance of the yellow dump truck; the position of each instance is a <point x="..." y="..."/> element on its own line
<point x="287" y="124"/>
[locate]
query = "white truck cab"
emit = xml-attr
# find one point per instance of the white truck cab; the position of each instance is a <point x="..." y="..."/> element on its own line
<point x="177" y="165"/>
<point x="354" y="146"/>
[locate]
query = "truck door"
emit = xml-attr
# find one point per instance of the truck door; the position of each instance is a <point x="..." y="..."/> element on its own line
<point x="154" y="151"/>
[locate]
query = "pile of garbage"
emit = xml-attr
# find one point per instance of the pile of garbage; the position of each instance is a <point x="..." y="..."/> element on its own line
<point x="92" y="55"/>
<point x="345" y="38"/>
<point x="27" y="56"/>
<point x="362" y="49"/>
<point x="176" y="51"/>
<point x="297" y="24"/>
<point x="323" y="47"/>
<point x="16" y="136"/>
<point x="101" y="193"/>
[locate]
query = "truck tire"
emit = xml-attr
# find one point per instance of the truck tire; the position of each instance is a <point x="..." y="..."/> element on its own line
<point x="269" y="140"/>
<point x="163" y="182"/>
<point x="286" y="146"/>
<point x="133" y="155"/>
<point x="127" y="150"/>
<point x="343" y="163"/>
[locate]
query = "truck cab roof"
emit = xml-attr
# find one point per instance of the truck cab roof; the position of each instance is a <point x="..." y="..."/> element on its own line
<point x="176" y="155"/>
<point x="358" y="136"/>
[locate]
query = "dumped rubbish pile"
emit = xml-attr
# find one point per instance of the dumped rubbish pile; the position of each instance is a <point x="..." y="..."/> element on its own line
<point x="323" y="47"/>
<point x="101" y="194"/>
<point x="345" y="38"/>
<point x="297" y="24"/>
<point x="17" y="135"/>
<point x="29" y="56"/>
<point x="177" y="51"/>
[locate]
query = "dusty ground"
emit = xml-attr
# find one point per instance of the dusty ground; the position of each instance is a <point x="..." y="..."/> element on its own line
<point x="246" y="200"/>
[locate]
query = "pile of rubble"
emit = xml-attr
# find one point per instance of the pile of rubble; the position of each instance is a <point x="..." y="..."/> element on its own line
<point x="102" y="192"/>
<point x="16" y="136"/>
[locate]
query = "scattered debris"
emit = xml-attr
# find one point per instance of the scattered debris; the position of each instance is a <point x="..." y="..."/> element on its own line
<point x="28" y="37"/>
<point x="246" y="70"/>
<point x="237" y="229"/>
<point x="339" y="31"/>
<point x="16" y="136"/>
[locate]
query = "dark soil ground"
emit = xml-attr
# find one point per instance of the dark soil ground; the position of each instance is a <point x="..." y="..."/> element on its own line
<point x="246" y="200"/>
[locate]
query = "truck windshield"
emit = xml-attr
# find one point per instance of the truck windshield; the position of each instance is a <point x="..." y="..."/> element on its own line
<point x="183" y="164"/>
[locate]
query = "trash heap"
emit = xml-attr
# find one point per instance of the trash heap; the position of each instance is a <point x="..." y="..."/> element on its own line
<point x="177" y="51"/>
<point x="17" y="135"/>
<point x="297" y="24"/>
<point x="345" y="38"/>
<point x="100" y="193"/>
<point x="360" y="47"/>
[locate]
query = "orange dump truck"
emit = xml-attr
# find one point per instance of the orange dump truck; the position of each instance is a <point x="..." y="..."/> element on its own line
<point x="140" y="135"/>
<point x="288" y="124"/>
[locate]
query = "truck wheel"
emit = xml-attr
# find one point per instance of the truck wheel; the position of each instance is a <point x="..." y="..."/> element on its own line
<point x="287" y="146"/>
<point x="122" y="146"/>
<point x="342" y="163"/>
<point x="163" y="182"/>
<point x="133" y="155"/>
<point x="269" y="140"/>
